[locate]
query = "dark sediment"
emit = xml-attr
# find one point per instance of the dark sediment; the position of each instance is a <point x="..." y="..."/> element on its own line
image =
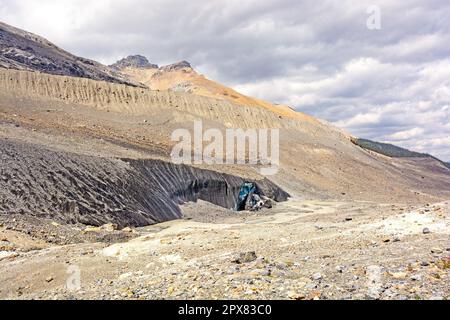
<point x="72" y="188"/>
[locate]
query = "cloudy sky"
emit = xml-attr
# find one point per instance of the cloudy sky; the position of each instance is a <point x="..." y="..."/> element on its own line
<point x="389" y="82"/>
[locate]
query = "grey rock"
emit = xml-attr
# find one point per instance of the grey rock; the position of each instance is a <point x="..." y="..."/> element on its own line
<point x="426" y="231"/>
<point x="266" y="272"/>
<point x="390" y="293"/>
<point x="311" y="286"/>
<point x="246" y="257"/>
<point x="339" y="269"/>
<point x="416" y="277"/>
<point x="353" y="288"/>
<point x="282" y="266"/>
<point x="372" y="296"/>
<point x="317" y="276"/>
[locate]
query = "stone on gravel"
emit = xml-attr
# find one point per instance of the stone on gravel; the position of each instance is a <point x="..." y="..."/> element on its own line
<point x="317" y="276"/>
<point x="416" y="277"/>
<point x="296" y="296"/>
<point x="398" y="275"/>
<point x="245" y="257"/>
<point x="339" y="269"/>
<point x="109" y="227"/>
<point x="8" y="255"/>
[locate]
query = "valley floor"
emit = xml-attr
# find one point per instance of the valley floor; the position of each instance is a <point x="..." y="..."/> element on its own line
<point x="298" y="250"/>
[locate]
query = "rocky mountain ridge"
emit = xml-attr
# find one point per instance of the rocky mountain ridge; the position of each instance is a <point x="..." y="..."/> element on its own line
<point x="135" y="61"/>
<point x="141" y="62"/>
<point x="23" y="50"/>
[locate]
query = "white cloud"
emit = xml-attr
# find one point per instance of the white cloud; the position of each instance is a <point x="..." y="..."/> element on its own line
<point x="406" y="134"/>
<point x="415" y="45"/>
<point x="397" y="102"/>
<point x="360" y="120"/>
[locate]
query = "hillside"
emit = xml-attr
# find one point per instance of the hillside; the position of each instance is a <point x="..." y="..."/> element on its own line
<point x="181" y="77"/>
<point x="391" y="150"/>
<point x="23" y="50"/>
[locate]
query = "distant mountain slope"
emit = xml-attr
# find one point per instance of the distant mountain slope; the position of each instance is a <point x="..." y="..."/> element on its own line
<point x="393" y="151"/>
<point x="136" y="61"/>
<point x="181" y="77"/>
<point x="22" y="50"/>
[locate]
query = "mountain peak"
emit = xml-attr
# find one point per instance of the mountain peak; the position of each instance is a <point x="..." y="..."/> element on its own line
<point x="177" y="66"/>
<point x="134" y="61"/>
<point x="140" y="62"/>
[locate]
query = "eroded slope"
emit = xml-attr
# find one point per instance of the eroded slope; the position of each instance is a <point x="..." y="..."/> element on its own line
<point x="73" y="188"/>
<point x="317" y="160"/>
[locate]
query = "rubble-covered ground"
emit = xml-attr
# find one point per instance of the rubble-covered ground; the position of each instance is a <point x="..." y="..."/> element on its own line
<point x="298" y="250"/>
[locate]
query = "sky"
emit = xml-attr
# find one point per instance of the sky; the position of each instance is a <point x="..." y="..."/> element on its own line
<point x="378" y="69"/>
